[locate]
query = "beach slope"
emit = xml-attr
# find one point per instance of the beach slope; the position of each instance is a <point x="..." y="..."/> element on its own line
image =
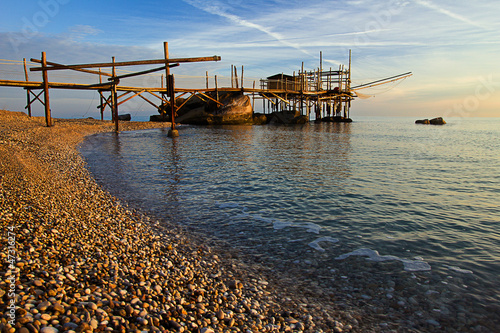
<point x="83" y="261"/>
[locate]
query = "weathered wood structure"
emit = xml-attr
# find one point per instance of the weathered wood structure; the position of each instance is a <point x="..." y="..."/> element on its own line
<point x="327" y="94"/>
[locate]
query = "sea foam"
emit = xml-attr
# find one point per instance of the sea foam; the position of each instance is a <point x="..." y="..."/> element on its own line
<point x="315" y="244"/>
<point x="373" y="255"/>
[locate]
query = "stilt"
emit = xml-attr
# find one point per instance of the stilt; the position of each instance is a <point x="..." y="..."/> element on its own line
<point x="48" y="117"/>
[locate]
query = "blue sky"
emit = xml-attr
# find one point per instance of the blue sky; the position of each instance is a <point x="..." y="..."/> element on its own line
<point x="452" y="47"/>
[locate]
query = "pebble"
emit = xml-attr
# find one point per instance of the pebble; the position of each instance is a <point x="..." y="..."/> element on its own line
<point x="49" y="329"/>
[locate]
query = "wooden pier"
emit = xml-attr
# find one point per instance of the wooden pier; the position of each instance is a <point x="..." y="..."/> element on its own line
<point x="326" y="94"/>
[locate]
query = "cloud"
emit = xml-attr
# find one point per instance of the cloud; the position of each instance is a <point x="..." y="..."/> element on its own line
<point x="81" y="31"/>
<point x="446" y="12"/>
<point x="216" y="9"/>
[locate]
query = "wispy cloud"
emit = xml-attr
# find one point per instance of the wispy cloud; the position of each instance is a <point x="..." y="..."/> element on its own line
<point x="81" y="31"/>
<point x="448" y="13"/>
<point x="216" y="8"/>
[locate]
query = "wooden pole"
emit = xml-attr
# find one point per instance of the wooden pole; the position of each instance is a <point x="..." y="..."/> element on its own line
<point x="102" y="103"/>
<point x="171" y="93"/>
<point x="241" y="76"/>
<point x="48" y="118"/>
<point x="216" y="89"/>
<point x="236" y="76"/>
<point x="253" y="98"/>
<point x="232" y="77"/>
<point x="206" y="78"/>
<point x="349" y="74"/>
<point x="114" y="100"/>
<point x="28" y="97"/>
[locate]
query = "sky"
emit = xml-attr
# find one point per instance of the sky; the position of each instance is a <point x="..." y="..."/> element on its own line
<point x="451" y="47"/>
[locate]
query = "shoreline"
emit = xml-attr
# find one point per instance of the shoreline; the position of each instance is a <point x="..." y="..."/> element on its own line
<point x="86" y="262"/>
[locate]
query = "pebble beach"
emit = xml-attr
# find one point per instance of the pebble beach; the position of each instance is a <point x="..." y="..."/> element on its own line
<point x="76" y="259"/>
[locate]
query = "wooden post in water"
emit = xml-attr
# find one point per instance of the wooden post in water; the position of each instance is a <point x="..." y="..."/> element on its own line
<point x="253" y="98"/>
<point x="216" y="90"/>
<point x="102" y="99"/>
<point x="48" y="118"/>
<point x="114" y="99"/>
<point x="28" y="91"/>
<point x="171" y="93"/>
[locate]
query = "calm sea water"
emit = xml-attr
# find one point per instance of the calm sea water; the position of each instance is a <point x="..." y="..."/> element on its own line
<point x="382" y="198"/>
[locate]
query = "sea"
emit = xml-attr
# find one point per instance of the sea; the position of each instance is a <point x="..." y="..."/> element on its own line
<point x="396" y="219"/>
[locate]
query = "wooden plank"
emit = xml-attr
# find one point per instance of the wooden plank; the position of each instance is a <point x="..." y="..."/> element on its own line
<point x="126" y="63"/>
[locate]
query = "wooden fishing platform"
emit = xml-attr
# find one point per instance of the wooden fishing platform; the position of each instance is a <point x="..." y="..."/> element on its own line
<point x="327" y="94"/>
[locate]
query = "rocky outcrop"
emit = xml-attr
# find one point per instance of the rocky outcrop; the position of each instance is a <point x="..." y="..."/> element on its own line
<point x="234" y="109"/>
<point x="437" y="121"/>
<point x="433" y="121"/>
<point x="286" y="117"/>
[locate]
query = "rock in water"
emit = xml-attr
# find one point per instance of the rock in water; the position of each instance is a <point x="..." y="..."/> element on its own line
<point x="125" y="117"/>
<point x="437" y="121"/>
<point x="235" y="109"/>
<point x="433" y="121"/>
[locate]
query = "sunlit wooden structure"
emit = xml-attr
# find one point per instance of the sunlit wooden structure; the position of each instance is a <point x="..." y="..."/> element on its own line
<point x="325" y="93"/>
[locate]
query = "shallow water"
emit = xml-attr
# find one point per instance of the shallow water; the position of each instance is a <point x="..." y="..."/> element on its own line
<point x="389" y="213"/>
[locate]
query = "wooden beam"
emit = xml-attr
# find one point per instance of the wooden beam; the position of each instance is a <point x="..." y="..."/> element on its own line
<point x="129" y="97"/>
<point x="155" y="95"/>
<point x="284" y="100"/>
<point x="263" y="95"/>
<point x="107" y="101"/>
<point x="210" y="98"/>
<point x="126" y="63"/>
<point x="24" y="84"/>
<point x="187" y="99"/>
<point x="147" y="100"/>
<point x="79" y="70"/>
<point x="37" y="97"/>
<point x="143" y="72"/>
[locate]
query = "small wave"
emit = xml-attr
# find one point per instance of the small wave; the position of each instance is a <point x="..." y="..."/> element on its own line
<point x="315" y="244"/>
<point x="228" y="205"/>
<point x="409" y="265"/>
<point x="460" y="270"/>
